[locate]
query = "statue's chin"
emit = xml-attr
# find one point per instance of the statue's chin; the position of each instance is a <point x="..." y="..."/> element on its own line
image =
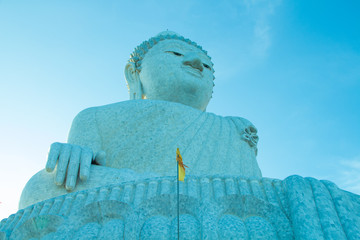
<point x="195" y="99"/>
<point x="41" y="186"/>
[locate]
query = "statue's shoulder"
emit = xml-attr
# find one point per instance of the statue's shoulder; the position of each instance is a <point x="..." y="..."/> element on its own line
<point x="131" y="108"/>
<point x="241" y="122"/>
<point x="139" y="106"/>
<point x="89" y="124"/>
<point x="86" y="114"/>
<point x="113" y="108"/>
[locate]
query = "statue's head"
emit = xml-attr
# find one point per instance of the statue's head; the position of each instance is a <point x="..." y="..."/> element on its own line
<point x="171" y="68"/>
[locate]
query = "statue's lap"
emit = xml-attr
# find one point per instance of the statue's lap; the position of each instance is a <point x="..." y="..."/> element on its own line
<point x="41" y="186"/>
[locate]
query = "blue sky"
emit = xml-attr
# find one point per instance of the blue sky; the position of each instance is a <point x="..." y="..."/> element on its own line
<point x="290" y="67"/>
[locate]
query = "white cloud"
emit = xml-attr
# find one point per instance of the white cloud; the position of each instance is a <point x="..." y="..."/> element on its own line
<point x="349" y="174"/>
<point x="261" y="11"/>
<point x="262" y="38"/>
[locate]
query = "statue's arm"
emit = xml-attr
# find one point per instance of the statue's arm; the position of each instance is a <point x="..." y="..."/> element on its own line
<point x="84" y="130"/>
<point x="73" y="159"/>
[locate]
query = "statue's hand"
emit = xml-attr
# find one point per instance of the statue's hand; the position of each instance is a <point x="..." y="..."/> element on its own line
<point x="69" y="158"/>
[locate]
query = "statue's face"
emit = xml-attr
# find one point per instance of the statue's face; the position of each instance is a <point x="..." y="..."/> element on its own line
<point x="176" y="71"/>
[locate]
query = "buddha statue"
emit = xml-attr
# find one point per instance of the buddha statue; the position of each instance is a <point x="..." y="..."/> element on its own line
<point x="115" y="176"/>
<point x="170" y="81"/>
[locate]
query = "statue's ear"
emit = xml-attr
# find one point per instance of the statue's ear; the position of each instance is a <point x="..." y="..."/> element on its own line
<point x="133" y="81"/>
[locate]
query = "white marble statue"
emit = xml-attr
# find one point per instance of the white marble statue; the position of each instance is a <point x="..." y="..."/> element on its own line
<point x="170" y="81"/>
<point x="116" y="176"/>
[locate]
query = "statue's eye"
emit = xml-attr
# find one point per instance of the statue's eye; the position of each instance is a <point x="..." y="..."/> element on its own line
<point x="206" y="66"/>
<point x="175" y="53"/>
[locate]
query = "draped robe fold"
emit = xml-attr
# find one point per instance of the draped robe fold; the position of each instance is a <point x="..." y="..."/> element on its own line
<point x="143" y="135"/>
<point x="140" y="138"/>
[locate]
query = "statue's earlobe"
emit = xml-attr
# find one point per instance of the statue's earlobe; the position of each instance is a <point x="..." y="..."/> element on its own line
<point x="133" y="81"/>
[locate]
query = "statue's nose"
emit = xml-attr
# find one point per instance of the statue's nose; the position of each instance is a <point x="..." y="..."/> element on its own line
<point x="194" y="61"/>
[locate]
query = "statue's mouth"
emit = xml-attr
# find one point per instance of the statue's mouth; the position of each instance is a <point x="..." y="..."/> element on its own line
<point x="193" y="71"/>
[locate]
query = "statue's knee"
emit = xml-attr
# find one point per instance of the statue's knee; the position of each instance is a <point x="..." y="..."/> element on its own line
<point x="40" y="187"/>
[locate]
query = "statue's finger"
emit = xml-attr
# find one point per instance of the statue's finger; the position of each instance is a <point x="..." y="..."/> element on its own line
<point x="53" y="156"/>
<point x="85" y="163"/>
<point x="62" y="164"/>
<point x="100" y="158"/>
<point x="73" y="168"/>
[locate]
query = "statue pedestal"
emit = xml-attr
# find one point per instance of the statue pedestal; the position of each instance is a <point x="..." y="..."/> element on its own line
<point x="211" y="207"/>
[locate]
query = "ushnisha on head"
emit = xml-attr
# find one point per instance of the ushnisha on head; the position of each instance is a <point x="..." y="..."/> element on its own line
<point x="171" y="68"/>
